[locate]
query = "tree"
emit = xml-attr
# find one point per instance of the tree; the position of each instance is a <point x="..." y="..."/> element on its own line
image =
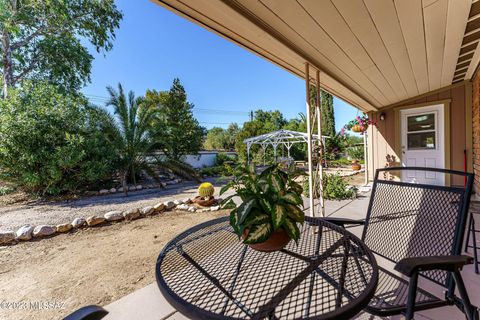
<point x="134" y="138"/>
<point x="328" y="116"/>
<point x="215" y="139"/>
<point x="263" y="122"/>
<point x="221" y="139"/>
<point x="181" y="134"/>
<point x="52" y="142"/>
<point x="42" y="40"/>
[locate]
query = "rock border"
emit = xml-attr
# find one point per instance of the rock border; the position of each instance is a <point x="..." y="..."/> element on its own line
<point x="131" y="188"/>
<point x="29" y="232"/>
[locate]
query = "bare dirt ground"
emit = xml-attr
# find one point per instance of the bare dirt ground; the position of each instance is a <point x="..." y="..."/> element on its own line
<point x="90" y="266"/>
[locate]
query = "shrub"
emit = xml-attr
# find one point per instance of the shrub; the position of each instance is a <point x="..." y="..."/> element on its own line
<point x="50" y="142"/>
<point x="335" y="187"/>
<point x="356" y="152"/>
<point x="225" y="158"/>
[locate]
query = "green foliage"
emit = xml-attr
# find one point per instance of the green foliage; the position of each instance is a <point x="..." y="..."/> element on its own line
<point x="224" y="158"/>
<point x="263" y="122"/>
<point x="212" y="171"/>
<point x="180" y="132"/>
<point x="134" y="138"/>
<point x="43" y="40"/>
<point x="50" y="142"/>
<point x="335" y="187"/>
<point x="221" y="139"/>
<point x="4" y="190"/>
<point x="356" y="152"/>
<point x="270" y="201"/>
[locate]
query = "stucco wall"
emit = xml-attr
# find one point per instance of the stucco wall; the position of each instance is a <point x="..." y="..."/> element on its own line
<point x="384" y="139"/>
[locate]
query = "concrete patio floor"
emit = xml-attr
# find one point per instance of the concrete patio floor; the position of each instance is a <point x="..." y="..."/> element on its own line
<point x="149" y="304"/>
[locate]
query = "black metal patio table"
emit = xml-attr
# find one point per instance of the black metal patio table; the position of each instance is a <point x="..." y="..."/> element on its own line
<point x="208" y="273"/>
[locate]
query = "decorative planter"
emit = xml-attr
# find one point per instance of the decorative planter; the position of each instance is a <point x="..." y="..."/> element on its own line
<point x="356" y="166"/>
<point x="277" y="241"/>
<point x="204" y="203"/>
<point x="358" y="128"/>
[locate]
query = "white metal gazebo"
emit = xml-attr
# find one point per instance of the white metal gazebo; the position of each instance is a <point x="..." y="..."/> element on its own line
<point x="286" y="138"/>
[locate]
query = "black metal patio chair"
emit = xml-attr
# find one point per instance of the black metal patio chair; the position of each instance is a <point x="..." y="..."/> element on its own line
<point x="420" y="228"/>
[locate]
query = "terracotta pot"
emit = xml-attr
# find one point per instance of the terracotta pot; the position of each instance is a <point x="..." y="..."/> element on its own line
<point x="356" y="166"/>
<point x="358" y="128"/>
<point x="277" y="241"/>
<point x="204" y="203"/>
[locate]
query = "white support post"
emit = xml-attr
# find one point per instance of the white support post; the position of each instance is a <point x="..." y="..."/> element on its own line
<point x="309" y="139"/>
<point x="248" y="153"/>
<point x="274" y="152"/>
<point x="365" y="155"/>
<point x="320" y="141"/>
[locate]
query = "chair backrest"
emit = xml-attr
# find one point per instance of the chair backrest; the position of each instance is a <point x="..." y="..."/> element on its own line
<point x="409" y="219"/>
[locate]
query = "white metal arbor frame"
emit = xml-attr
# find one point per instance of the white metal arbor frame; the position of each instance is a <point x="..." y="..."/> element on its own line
<point x="285" y="138"/>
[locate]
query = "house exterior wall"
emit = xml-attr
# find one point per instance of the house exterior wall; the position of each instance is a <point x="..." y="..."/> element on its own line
<point x="385" y="137"/>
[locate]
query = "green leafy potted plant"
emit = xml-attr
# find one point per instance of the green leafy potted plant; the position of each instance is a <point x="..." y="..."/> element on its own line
<point x="270" y="210"/>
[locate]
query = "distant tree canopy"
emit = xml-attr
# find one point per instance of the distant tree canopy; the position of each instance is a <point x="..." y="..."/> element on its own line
<point x="221" y="139"/>
<point x="180" y="132"/>
<point x="42" y="40"/>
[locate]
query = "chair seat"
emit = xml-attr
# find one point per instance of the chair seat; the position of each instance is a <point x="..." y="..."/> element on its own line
<point x="391" y="296"/>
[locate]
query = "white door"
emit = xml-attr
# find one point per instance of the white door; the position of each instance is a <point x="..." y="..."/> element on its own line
<point x="423" y="143"/>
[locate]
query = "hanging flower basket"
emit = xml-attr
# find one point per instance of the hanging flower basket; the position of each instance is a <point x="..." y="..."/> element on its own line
<point x="359" y="124"/>
<point x="358" y="128"/>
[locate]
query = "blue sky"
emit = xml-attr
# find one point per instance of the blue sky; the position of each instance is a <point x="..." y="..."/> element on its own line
<point x="224" y="81"/>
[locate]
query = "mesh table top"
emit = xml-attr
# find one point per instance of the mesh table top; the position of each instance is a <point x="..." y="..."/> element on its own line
<point x="208" y="273"/>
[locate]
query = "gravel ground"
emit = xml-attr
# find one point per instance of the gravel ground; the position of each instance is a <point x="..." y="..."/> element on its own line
<point x="14" y="216"/>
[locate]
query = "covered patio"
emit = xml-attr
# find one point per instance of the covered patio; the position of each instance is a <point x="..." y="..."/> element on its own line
<point x="149" y="304"/>
<point x="410" y="65"/>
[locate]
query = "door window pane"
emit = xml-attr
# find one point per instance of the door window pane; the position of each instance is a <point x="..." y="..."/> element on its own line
<point x="421" y="140"/>
<point x="421" y="122"/>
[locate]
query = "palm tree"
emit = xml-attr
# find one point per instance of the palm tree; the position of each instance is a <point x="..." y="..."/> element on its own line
<point x="134" y="139"/>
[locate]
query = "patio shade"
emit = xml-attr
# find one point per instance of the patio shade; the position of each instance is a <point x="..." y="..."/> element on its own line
<point x="371" y="53"/>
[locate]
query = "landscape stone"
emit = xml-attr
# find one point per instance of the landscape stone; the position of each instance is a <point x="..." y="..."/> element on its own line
<point x="132" y="188"/>
<point x="44" y="230"/>
<point x="25" y="232"/>
<point x="169" y="204"/>
<point x="159" y="207"/>
<point x="178" y="201"/>
<point x="113" y="190"/>
<point x="78" y="222"/>
<point x="95" y="220"/>
<point x="147" y="210"/>
<point x="139" y="187"/>
<point x="113" y="215"/>
<point x="182" y="207"/>
<point x="214" y="208"/>
<point x="131" y="214"/>
<point x="6" y="236"/>
<point x="103" y="192"/>
<point x="192" y="209"/>
<point x="120" y="189"/>
<point x="64" y="227"/>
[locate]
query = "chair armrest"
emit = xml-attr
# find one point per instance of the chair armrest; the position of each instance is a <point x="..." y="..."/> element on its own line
<point x="409" y="266"/>
<point x="87" y="313"/>
<point x="341" y="222"/>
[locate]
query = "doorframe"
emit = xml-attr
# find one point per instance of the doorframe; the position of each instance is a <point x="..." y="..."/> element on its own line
<point x="446" y="118"/>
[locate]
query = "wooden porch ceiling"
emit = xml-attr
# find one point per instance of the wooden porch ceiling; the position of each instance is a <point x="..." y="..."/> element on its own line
<point x="371" y="53"/>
